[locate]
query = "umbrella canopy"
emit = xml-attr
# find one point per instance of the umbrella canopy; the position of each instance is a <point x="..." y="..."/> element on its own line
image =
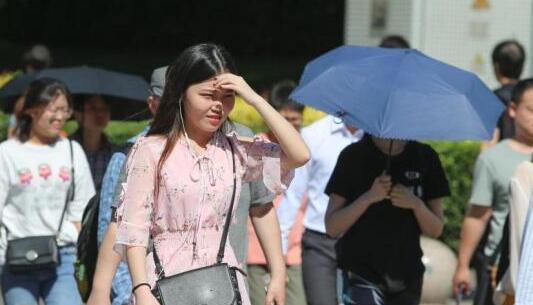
<point x="87" y="80"/>
<point x="399" y="94"/>
<point x="13" y="89"/>
<point x="126" y="93"/>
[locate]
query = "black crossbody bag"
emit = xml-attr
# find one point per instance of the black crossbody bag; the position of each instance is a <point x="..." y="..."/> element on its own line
<point x="38" y="252"/>
<point x="211" y="285"/>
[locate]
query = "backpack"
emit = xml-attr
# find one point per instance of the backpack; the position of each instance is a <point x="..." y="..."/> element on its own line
<point x="87" y="248"/>
<point x="87" y="244"/>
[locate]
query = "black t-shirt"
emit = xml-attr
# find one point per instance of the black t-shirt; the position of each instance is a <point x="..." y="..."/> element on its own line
<point x="383" y="246"/>
<point x="505" y="122"/>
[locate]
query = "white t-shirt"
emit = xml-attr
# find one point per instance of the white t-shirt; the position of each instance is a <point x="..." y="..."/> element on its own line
<point x="34" y="181"/>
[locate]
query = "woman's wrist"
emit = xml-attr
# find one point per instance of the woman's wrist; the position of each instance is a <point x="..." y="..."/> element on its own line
<point x="278" y="271"/>
<point x="141" y="288"/>
<point x="418" y="205"/>
<point x="367" y="199"/>
<point x="278" y="276"/>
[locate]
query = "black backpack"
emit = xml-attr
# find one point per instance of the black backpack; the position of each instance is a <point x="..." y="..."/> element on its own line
<point x="87" y="244"/>
<point x="87" y="248"/>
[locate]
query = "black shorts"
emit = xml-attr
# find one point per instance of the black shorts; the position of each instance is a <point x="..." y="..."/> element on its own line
<point x="357" y="290"/>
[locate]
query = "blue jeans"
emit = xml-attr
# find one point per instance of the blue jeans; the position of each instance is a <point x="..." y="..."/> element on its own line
<point x="55" y="286"/>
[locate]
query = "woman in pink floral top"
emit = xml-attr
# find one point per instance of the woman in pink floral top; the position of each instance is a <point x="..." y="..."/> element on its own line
<point x="180" y="179"/>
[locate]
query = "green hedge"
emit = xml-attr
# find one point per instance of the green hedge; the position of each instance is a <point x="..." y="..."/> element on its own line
<point x="457" y="158"/>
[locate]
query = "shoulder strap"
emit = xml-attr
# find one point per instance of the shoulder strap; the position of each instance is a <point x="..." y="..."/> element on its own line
<point x="159" y="267"/>
<point x="71" y="189"/>
<point x="220" y="255"/>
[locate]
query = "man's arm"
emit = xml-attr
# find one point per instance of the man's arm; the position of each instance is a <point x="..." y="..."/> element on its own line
<point x="265" y="222"/>
<point x="474" y="226"/>
<point x="475" y="222"/>
<point x="341" y="215"/>
<point x="430" y="218"/>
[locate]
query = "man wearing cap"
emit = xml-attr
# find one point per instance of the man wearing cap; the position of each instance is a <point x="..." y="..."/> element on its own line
<point x="111" y="275"/>
<point x="36" y="59"/>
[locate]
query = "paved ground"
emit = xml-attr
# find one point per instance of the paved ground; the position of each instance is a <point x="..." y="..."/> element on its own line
<point x="452" y="302"/>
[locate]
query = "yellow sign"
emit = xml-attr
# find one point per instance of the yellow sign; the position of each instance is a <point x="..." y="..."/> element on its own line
<point x="478" y="64"/>
<point x="481" y="4"/>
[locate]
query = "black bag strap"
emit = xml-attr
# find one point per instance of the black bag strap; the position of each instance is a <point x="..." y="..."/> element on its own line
<point x="220" y="256"/>
<point x="71" y="189"/>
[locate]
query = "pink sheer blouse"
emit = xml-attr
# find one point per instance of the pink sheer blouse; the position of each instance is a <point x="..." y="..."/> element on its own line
<point x="186" y="219"/>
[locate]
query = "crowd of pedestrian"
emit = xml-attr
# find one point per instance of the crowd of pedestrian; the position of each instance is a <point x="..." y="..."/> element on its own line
<point x="324" y="214"/>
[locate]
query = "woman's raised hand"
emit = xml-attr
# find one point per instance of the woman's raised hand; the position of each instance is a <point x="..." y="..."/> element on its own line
<point x="228" y="81"/>
<point x="295" y="152"/>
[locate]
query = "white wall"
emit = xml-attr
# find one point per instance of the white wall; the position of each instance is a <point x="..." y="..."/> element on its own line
<point x="450" y="30"/>
<point x="358" y="13"/>
<point x="458" y="34"/>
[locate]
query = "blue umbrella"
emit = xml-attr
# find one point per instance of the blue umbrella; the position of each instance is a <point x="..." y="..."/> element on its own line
<point x="399" y="94"/>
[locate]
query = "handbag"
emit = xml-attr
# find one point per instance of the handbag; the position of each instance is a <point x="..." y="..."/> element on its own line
<point x="211" y="285"/>
<point x="38" y="252"/>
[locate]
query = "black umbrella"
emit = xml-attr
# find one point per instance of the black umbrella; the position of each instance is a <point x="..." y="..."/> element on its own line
<point x="126" y="93"/>
<point x="13" y="89"/>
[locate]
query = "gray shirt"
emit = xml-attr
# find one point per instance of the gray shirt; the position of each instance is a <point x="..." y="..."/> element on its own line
<point x="490" y="188"/>
<point x="252" y="194"/>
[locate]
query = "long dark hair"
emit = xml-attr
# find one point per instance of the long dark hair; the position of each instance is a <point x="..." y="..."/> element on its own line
<point x="39" y="94"/>
<point x="194" y="65"/>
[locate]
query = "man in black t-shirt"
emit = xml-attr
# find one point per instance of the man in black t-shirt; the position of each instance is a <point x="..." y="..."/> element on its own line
<point x="380" y="218"/>
<point x="508" y="59"/>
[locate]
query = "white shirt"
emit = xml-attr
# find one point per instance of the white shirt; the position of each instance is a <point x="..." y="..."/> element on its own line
<point x="34" y="180"/>
<point x="519" y="201"/>
<point x="326" y="139"/>
<point x="521" y="230"/>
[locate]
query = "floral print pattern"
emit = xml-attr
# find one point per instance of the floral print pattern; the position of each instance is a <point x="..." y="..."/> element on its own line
<point x="186" y="219"/>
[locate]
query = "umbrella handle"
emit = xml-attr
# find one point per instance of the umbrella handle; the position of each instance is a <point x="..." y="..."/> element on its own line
<point x="459" y="296"/>
<point x="388" y="164"/>
<point x="389" y="157"/>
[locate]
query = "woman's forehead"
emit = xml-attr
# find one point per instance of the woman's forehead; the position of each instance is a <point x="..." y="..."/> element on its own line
<point x="208" y="85"/>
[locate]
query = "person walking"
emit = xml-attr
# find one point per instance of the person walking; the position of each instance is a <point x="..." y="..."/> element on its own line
<point x="45" y="184"/>
<point x="183" y="174"/>
<point x="379" y="214"/>
<point x="258" y="273"/>
<point x="483" y="225"/>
